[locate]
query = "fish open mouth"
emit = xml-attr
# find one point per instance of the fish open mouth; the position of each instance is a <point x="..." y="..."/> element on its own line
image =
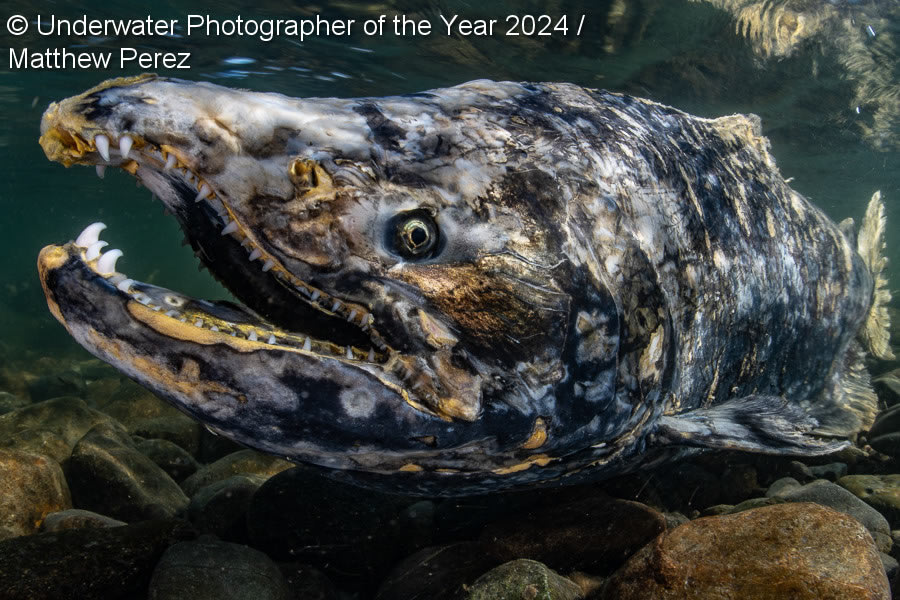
<point x="319" y="324"/>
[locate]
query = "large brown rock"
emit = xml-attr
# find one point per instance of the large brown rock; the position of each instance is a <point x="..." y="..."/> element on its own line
<point x="31" y="486"/>
<point x="800" y="551"/>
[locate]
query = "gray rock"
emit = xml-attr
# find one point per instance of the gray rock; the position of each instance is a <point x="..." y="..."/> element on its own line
<point x="75" y="518"/>
<point x="674" y="519"/>
<point x="9" y="402"/>
<point x="800" y="471"/>
<point x="437" y="572"/>
<point x="781" y="486"/>
<point x="836" y="497"/>
<point x="887" y="386"/>
<point x="39" y="441"/>
<point x="31" y="486"/>
<point x="108" y="475"/>
<point x="306" y="582"/>
<point x="221" y="507"/>
<point x="595" y="533"/>
<point x="891" y="566"/>
<point x="178" y="429"/>
<point x="62" y="383"/>
<point x="882" y="492"/>
<point x="215" y="570"/>
<point x="132" y="403"/>
<point x="169" y="456"/>
<point x="831" y="471"/>
<point x="88" y="563"/>
<point x="523" y="580"/>
<point x="244" y="462"/>
<point x="68" y="418"/>
<point x="727" y="509"/>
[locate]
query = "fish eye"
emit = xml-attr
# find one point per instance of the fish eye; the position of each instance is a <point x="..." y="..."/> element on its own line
<point x="414" y="235"/>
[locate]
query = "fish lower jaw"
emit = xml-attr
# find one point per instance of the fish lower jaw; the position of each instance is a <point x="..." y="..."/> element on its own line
<point x="180" y="312"/>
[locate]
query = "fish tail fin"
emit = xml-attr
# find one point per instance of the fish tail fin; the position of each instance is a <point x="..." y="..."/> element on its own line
<point x="870" y="246"/>
<point x="852" y="405"/>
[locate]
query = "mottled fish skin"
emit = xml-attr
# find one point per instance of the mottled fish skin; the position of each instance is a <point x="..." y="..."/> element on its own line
<point x="599" y="261"/>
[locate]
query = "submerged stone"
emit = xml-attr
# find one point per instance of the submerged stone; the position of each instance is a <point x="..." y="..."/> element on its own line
<point x="437" y="572"/>
<point x="108" y="475"/>
<point x="523" y="580"/>
<point x="88" y="563"/>
<point x="169" y="456"/>
<point x="592" y="534"/>
<point x="243" y="462"/>
<point x="31" y="486"/>
<point x="214" y="570"/>
<point x="881" y="492"/>
<point x="801" y="551"/>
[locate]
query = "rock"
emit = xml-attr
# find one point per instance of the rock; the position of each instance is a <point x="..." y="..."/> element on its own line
<point x="437" y="572"/>
<point x="801" y="551"/>
<point x="67" y="417"/>
<point x="831" y="471"/>
<point x="215" y="570"/>
<point x="214" y="446"/>
<point x="887" y="443"/>
<point x="244" y="462"/>
<point x="31" y="486"/>
<point x="836" y="497"/>
<point x="178" y="429"/>
<point x="9" y="402"/>
<point x="168" y="456"/>
<point x="132" y="403"/>
<point x="347" y="532"/>
<point x="62" y="383"/>
<point x="887" y="386"/>
<point x="307" y="583"/>
<point x="88" y="564"/>
<point x="108" y="475"/>
<point x="674" y="519"/>
<point x="881" y="492"/>
<point x="739" y="482"/>
<point x="221" y="507"/>
<point x="38" y="441"/>
<point x="782" y="486"/>
<point x="523" y="580"/>
<point x="891" y="566"/>
<point x="800" y="471"/>
<point x="728" y="509"/>
<point x="75" y="518"/>
<point x="594" y="534"/>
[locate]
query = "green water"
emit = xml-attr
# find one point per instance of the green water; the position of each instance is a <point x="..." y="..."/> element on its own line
<point x="687" y="54"/>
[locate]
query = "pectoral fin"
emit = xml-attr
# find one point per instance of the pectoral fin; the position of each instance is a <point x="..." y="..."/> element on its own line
<point x="762" y="424"/>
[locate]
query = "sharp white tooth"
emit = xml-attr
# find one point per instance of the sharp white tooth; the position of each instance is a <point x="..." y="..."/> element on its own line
<point x="315" y="295"/>
<point x="255" y="254"/>
<point x="102" y="143"/>
<point x="94" y="250"/>
<point x="107" y="263"/>
<point x="198" y="323"/>
<point x="335" y="306"/>
<point x="234" y="334"/>
<point x="271" y="339"/>
<point x="101" y="171"/>
<point x="143" y="299"/>
<point x="125" y="143"/>
<point x="116" y="279"/>
<point x="230" y="228"/>
<point x="170" y="162"/>
<point x="125" y="285"/>
<point x="269" y="264"/>
<point x="349" y="353"/>
<point x="203" y="193"/>
<point x="252" y="337"/>
<point x="371" y="356"/>
<point x="307" y="344"/>
<point x="172" y="313"/>
<point x="183" y="319"/>
<point x="213" y="328"/>
<point x="90" y="235"/>
<point x="157" y="308"/>
<point x="352" y="316"/>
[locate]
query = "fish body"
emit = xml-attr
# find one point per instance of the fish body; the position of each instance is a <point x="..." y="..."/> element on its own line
<point x="479" y="287"/>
